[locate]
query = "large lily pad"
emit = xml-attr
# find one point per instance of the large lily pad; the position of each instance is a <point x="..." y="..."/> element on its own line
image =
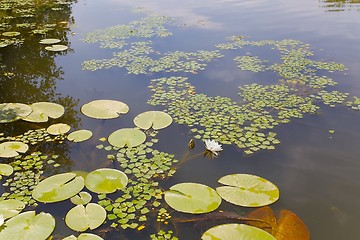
<point x="81" y="218"/>
<point x="49" y="41"/>
<point x="58" y="128"/>
<point x="104" y="109"/>
<point x="58" y="188"/>
<point x="6" y="169"/>
<point x="192" y="198"/>
<point x="247" y="190"/>
<point x="155" y="119"/>
<point x="43" y="110"/>
<point x="235" y="231"/>
<point x="84" y="236"/>
<point x="11" y="34"/>
<point x="12" y="149"/>
<point x="80" y="135"/>
<point x="129" y="137"/>
<point x="28" y="226"/>
<point x="106" y="180"/>
<point x="10" y="112"/>
<point x="56" y="48"/>
<point x="11" y="207"/>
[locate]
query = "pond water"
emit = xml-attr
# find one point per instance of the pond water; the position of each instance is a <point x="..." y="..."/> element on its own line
<point x="316" y="165"/>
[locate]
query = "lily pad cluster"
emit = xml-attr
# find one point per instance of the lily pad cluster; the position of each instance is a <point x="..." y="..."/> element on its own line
<point x="217" y="118"/>
<point x="36" y="112"/>
<point x="138" y="60"/>
<point x="26" y="176"/>
<point x="354" y="103"/>
<point x="144" y="166"/>
<point x="331" y="98"/>
<point x="162" y="235"/>
<point x="21" y="16"/>
<point x="250" y="63"/>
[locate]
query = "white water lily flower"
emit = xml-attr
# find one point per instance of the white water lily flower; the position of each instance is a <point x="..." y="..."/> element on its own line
<point x="212" y="147"/>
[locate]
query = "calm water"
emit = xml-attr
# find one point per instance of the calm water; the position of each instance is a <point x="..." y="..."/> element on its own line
<point x="318" y="173"/>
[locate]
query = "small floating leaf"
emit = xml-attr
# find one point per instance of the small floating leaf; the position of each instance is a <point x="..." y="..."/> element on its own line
<point x="12" y="149"/>
<point x="81" y="218"/>
<point x="153" y="119"/>
<point x="192" y="198"/>
<point x="29" y="226"/>
<point x="57" y="129"/>
<point x="80" y="135"/>
<point x="247" y="190"/>
<point x="104" y="109"/>
<point x="49" y="41"/>
<point x="129" y="137"/>
<point x="56" y="48"/>
<point x="83" y="198"/>
<point x="10" y="112"/>
<point x="235" y="231"/>
<point x="106" y="180"/>
<point x="58" y="188"/>
<point x="10" y="208"/>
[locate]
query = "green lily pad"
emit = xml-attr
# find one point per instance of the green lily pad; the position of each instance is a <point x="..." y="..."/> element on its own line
<point x="155" y="119"/>
<point x="58" y="128"/>
<point x="11" y="34"/>
<point x="192" y="198"/>
<point x="56" y="48"/>
<point x="11" y="207"/>
<point x="235" y="231"/>
<point x="106" y="180"/>
<point x="129" y="137"/>
<point x="104" y="109"/>
<point x="80" y="135"/>
<point x="10" y="112"/>
<point x="12" y="149"/>
<point x="28" y="226"/>
<point x="58" y="188"/>
<point x="49" y="41"/>
<point x="43" y="110"/>
<point x="84" y="236"/>
<point x="6" y="169"/>
<point x="247" y="190"/>
<point x="83" y="198"/>
<point x="81" y="218"/>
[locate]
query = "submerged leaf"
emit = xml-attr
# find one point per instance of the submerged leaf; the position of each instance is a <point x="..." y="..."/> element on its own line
<point x="10" y="112"/>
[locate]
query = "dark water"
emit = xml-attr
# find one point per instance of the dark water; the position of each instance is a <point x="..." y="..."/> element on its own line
<point x="318" y="173"/>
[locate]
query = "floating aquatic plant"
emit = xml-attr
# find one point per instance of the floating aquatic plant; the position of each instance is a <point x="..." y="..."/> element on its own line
<point x="247" y="190"/>
<point x="104" y="109"/>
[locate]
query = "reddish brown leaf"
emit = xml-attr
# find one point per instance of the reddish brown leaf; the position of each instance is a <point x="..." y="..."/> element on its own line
<point x="266" y="214"/>
<point x="290" y="227"/>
